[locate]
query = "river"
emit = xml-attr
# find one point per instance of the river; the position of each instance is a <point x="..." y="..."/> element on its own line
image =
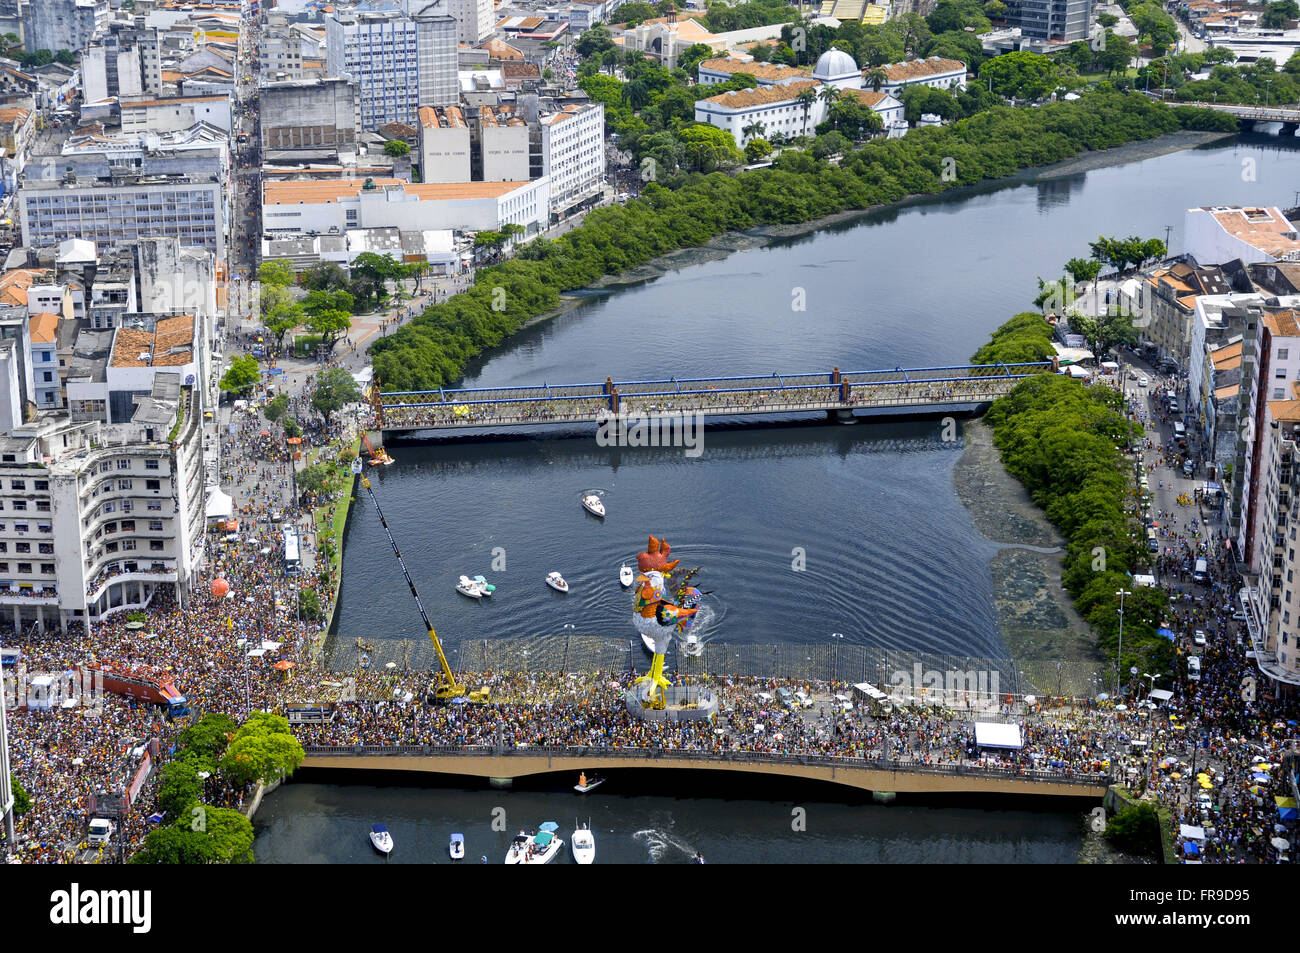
<point x="891" y="559"/>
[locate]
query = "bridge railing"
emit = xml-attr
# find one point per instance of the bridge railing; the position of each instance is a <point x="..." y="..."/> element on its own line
<point x="1040" y="775"/>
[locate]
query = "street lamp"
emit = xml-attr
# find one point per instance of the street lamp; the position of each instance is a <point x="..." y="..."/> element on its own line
<point x="1120" y="652"/>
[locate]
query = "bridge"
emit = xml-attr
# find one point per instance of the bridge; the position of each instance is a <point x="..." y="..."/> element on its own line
<point x="902" y="777"/>
<point x="838" y="394"/>
<point x="1249" y="115"/>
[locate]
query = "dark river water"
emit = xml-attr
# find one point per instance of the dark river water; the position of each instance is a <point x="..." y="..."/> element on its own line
<point x="890" y="556"/>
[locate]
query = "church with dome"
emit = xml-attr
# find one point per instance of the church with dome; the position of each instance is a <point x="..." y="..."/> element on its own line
<point x="779" y="104"/>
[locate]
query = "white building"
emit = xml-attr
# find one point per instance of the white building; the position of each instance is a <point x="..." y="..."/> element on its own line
<point x="175" y="113"/>
<point x="573" y="153"/>
<point x="95" y="518"/>
<point x="122" y="63"/>
<point x="935" y="71"/>
<point x="774" y="108"/>
<point x="444" y="145"/>
<point x="399" y="63"/>
<point x="504" y="146"/>
<point x="1222" y="233"/>
<point x="334" y="207"/>
<point x="474" y="20"/>
<point x="721" y="69"/>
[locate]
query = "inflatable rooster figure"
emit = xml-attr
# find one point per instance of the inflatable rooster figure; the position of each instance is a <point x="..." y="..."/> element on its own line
<point x="656" y="618"/>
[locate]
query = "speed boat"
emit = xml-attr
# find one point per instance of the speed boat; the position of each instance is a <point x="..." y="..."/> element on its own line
<point x="381" y="839"/>
<point x="468" y="587"/>
<point x="592" y="504"/>
<point x="486" y="587"/>
<point x="556" y="582"/>
<point x="691" y="645"/>
<point x="583" y="845"/>
<point x="625" y="576"/>
<point x="542" y="848"/>
<point x="457" y="847"/>
<point x="586" y="784"/>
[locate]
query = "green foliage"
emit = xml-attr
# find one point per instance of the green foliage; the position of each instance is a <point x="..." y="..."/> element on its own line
<point x="315" y="479"/>
<point x="292" y="428"/>
<point x="22" y="800"/>
<point x="396" y="148"/>
<point x="432" y="350"/>
<point x="179" y="788"/>
<point x="757" y="150"/>
<point x="38" y="58"/>
<point x="277" y="271"/>
<point x="262" y="750"/>
<point x="208" y="737"/>
<point x="1021" y="75"/>
<point x="334" y="388"/>
<point x="1136" y="830"/>
<point x="325" y="276"/>
<point x="723" y="17"/>
<point x="276" y="407"/>
<point x="243" y="373"/>
<point x="211" y="835"/>
<point x="309" y="606"/>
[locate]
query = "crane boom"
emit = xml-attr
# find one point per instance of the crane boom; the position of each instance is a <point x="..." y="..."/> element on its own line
<point x="447" y="687"/>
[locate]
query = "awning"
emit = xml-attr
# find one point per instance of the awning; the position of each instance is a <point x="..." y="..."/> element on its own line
<point x="1160" y="694"/>
<point x="219" y="506"/>
<point x="1191" y="833"/>
<point x="996" y="735"/>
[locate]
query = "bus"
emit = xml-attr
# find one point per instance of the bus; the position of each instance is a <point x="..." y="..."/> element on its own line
<point x="291" y="557"/>
<point x="138" y="682"/>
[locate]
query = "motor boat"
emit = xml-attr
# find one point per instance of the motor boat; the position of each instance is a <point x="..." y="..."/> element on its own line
<point x="457" y="847"/>
<point x="556" y="582"/>
<point x="586" y="784"/>
<point x="625" y="576"/>
<point x="542" y="848"/>
<point x="486" y="587"/>
<point x="468" y="587"/>
<point x="691" y="645"/>
<point x="583" y="845"/>
<point x="592" y="504"/>
<point x="381" y="839"/>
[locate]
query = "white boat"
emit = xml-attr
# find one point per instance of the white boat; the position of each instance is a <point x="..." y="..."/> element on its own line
<point x="556" y="582"/>
<point x="592" y="504"/>
<point x="586" y="784"/>
<point x="381" y="839"/>
<point x="625" y="576"/>
<point x="691" y="645"/>
<point x="457" y="847"/>
<point x="468" y="587"/>
<point x="583" y="845"/>
<point x="542" y="848"/>
<point x="486" y="587"/>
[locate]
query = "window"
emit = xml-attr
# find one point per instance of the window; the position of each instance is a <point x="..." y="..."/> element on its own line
<point x="46" y="548"/>
<point x="124" y="464"/>
<point x="1281" y="354"/>
<point x="105" y="467"/>
<point x="155" y="526"/>
<point x="155" y="545"/>
<point x="20" y="527"/>
<point x="1280" y="373"/>
<point x="110" y="547"/>
<point x="126" y="506"/>
<point x="25" y="567"/>
<point x="128" y="526"/>
<point x="108" y="507"/>
<point x="19" y="504"/>
<point x="124" y="484"/>
<point x="47" y="568"/>
<point x="110" y="527"/>
<point x="22" y="547"/>
<point x="128" y="544"/>
<point x="18" y="484"/>
<point x="153" y="505"/>
<point x="152" y="485"/>
<point x="43" y="506"/>
<point x="1278" y="393"/>
<point x="151" y="464"/>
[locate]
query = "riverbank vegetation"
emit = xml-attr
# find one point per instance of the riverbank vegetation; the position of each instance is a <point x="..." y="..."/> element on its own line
<point x="1064" y="441"/>
<point x="433" y="349"/>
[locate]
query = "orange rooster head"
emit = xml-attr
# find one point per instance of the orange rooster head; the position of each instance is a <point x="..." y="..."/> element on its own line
<point x="655" y="557"/>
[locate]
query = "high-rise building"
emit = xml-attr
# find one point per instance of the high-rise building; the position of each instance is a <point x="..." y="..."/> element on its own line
<point x="398" y="62"/>
<point x="56" y="25"/>
<point x="124" y="62"/>
<point x="1063" y="21"/>
<point x="473" y="20"/>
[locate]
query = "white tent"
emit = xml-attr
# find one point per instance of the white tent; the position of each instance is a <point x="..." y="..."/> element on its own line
<point x="219" y="506"/>
<point x="990" y="734"/>
<point x="1191" y="833"/>
<point x="1160" y="694"/>
<point x="1073" y="370"/>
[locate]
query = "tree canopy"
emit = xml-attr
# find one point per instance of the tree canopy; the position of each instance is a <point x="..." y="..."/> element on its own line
<point x="263" y="749"/>
<point x="242" y="375"/>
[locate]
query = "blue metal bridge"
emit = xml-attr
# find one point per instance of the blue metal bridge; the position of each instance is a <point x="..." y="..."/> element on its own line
<point x="838" y="393"/>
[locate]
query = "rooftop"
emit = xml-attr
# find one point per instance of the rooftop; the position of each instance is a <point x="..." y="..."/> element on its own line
<point x="43" y="327"/>
<point x="919" y="69"/>
<point x="1266" y="229"/>
<point x="170" y="344"/>
<point x="762" y="95"/>
<point x="770" y="72"/>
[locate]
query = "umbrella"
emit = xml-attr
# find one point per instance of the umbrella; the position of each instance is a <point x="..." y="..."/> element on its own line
<point x="1176" y="776"/>
<point x="264" y="433"/>
<point x="1255" y="789"/>
<point x="1281" y="843"/>
<point x="390" y="665"/>
<point x="1102" y="697"/>
<point x="1260" y="778"/>
<point x="1121" y="707"/>
<point x="1191" y="848"/>
<point x="134" y="626"/>
<point x="283" y="665"/>
<point x="294" y="440"/>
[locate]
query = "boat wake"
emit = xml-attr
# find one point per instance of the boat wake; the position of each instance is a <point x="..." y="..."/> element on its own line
<point x="663" y="845"/>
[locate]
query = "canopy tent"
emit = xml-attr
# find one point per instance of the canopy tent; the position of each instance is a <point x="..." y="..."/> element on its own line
<point x="1191" y="833"/>
<point x="1166" y="634"/>
<point x="1191" y="848"/>
<point x="219" y="506"/>
<point x="989" y="734"/>
<point x="1073" y="370"/>
<point x="1160" y="694"/>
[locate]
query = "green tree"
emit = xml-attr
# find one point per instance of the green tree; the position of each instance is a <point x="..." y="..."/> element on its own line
<point x="330" y="324"/>
<point x="1083" y="269"/>
<point x="22" y="800"/>
<point x="66" y="57"/>
<point x="276" y="271"/>
<point x="210" y="835"/>
<point x="1136" y="830"/>
<point x="708" y="148"/>
<point x="595" y="42"/>
<point x="208" y="737"/>
<point x="757" y="150"/>
<point x="1107" y="20"/>
<point x="334" y="388"/>
<point x="315" y="479"/>
<point x="325" y="276"/>
<point x="1276" y="14"/>
<point x="309" y="606"/>
<point x="292" y="428"/>
<point x="276" y="407"/>
<point x="243" y="373"/>
<point x="262" y="750"/>
<point x="876" y="77"/>
<point x="179" y="787"/>
<point x="396" y="148"/>
<point x="806" y="98"/>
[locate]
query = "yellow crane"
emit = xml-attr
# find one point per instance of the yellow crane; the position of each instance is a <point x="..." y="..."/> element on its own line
<point x="445" y="686"/>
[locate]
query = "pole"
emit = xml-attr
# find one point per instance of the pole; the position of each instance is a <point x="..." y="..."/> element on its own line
<point x="1119" y="655"/>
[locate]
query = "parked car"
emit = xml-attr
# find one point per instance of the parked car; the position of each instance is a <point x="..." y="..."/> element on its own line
<point x="1199" y="638"/>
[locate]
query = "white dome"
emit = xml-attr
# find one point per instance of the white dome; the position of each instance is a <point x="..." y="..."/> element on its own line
<point x="834" y="64"/>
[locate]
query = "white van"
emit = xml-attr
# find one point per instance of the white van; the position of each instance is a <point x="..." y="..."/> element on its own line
<point x="101" y="829"/>
<point x="1194" y="668"/>
<point x="1201" y="573"/>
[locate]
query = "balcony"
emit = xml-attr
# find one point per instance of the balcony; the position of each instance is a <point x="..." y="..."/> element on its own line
<point x="44" y="594"/>
<point x="144" y="572"/>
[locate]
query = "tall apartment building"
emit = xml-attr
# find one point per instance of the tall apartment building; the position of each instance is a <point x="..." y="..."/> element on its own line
<point x="398" y="62"/>
<point x="573" y="153"/>
<point x="474" y="20"/>
<point x="1061" y="20"/>
<point x="94" y="518"/>
<point x="124" y="62"/>
<point x="62" y="24"/>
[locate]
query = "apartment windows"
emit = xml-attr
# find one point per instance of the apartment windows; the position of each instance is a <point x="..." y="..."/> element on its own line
<point x="20" y="527"/>
<point x="110" y="527"/>
<point x="155" y="505"/>
<point x="124" y="484"/>
<point x="155" y="526"/>
<point x="105" y="467"/>
<point x="151" y="464"/>
<point x="128" y="526"/>
<point x="128" y="544"/>
<point x="108" y="507"/>
<point x="1281" y="354"/>
<point x="46" y="548"/>
<point x="22" y="547"/>
<point x="19" y="504"/>
<point x="124" y="464"/>
<point x="25" y="568"/>
<point x="152" y="485"/>
<point x="47" y="568"/>
<point x="19" y="484"/>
